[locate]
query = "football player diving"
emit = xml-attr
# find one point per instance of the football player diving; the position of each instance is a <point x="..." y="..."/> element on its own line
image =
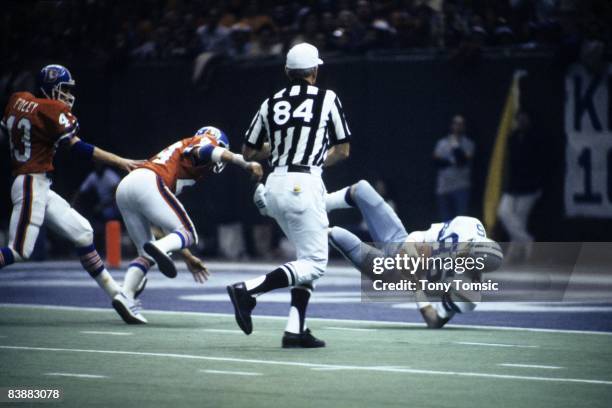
<point x="461" y="236"/>
<point x="147" y="197"/>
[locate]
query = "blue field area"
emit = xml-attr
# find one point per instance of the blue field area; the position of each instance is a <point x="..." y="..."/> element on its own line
<point x="337" y="296"/>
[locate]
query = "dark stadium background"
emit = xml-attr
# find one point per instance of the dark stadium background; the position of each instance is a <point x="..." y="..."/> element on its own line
<point x="399" y="90"/>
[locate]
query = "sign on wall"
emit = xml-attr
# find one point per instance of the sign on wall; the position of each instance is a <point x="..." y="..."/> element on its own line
<point x="588" y="154"/>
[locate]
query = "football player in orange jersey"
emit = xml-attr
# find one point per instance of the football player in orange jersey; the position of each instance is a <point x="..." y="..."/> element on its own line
<point x="37" y="126"/>
<point x="147" y="197"/>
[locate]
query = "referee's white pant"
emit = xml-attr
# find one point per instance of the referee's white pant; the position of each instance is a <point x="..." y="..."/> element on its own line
<point x="297" y="202"/>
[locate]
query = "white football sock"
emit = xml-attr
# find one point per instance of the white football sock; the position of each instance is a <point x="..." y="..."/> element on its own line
<point x="132" y="279"/>
<point x="293" y="323"/>
<point x="169" y="243"/>
<point x="107" y="283"/>
<point x="337" y="200"/>
<point x="255" y="282"/>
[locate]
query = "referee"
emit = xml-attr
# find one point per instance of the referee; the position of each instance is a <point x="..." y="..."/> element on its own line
<point x="300" y="130"/>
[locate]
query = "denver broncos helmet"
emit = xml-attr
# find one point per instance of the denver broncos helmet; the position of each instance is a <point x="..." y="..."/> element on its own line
<point x="222" y="141"/>
<point x="56" y="82"/>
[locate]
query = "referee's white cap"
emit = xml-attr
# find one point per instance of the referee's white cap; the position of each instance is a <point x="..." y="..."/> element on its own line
<point x="303" y="56"/>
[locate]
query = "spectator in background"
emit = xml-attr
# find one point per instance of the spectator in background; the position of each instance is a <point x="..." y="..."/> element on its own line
<point x="213" y="36"/>
<point x="168" y="29"/>
<point x="453" y="156"/>
<point x="523" y="184"/>
<point x="102" y="182"/>
<point x="266" y="42"/>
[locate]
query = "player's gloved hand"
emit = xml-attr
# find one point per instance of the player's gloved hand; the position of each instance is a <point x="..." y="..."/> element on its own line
<point x="259" y="198"/>
<point x="256" y="171"/>
<point x="197" y="268"/>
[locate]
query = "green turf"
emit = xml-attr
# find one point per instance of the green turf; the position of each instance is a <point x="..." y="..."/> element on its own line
<point x="357" y="369"/>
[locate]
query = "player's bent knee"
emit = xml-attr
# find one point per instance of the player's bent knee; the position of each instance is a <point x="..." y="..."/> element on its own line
<point x="84" y="237"/>
<point x="363" y="192"/>
<point x="196" y="239"/>
<point x="310" y="270"/>
<point x="334" y="234"/>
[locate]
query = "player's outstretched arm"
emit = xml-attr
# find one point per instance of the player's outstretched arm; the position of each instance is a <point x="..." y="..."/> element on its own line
<point x="337" y="153"/>
<point x="91" y="152"/>
<point x="218" y="154"/>
<point x="251" y="166"/>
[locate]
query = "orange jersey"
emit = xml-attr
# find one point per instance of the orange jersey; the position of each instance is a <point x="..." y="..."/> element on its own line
<point x="176" y="167"/>
<point x="36" y="127"/>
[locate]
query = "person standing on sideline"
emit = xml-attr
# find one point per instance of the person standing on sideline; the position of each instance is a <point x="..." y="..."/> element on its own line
<point x="453" y="156"/>
<point x="522" y="187"/>
<point x="103" y="181"/>
<point x="300" y="129"/>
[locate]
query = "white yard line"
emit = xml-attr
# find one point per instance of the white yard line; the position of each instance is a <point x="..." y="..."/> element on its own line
<point x="472" y="343"/>
<point x="76" y="375"/>
<point x="109" y="333"/>
<point x="245" y="373"/>
<point x="380" y="324"/>
<point x="343" y="368"/>
<point x="223" y="331"/>
<point x="383" y="369"/>
<point x="349" y="329"/>
<point x="546" y="367"/>
<point x="327" y="368"/>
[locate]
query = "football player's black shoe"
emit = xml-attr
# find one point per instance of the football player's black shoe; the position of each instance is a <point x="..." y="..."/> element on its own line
<point x="302" y="340"/>
<point x="243" y="306"/>
<point x="166" y="266"/>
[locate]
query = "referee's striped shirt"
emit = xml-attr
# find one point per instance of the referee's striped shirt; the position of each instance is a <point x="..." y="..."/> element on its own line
<point x="301" y="122"/>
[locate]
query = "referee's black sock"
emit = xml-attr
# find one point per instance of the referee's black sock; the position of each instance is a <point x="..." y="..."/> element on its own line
<point x="297" y="314"/>
<point x="276" y="279"/>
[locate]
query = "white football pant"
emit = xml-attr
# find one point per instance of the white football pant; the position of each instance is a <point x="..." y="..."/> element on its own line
<point x="34" y="203"/>
<point x="145" y="201"/>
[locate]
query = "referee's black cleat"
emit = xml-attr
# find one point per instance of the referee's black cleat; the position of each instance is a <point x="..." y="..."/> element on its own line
<point x="302" y="340"/>
<point x="165" y="263"/>
<point x="243" y="306"/>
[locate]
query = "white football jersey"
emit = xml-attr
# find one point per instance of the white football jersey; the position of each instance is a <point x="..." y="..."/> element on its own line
<point x="445" y="235"/>
<point x="459" y="229"/>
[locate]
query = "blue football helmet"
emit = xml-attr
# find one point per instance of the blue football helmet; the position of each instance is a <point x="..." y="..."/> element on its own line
<point x="222" y="141"/>
<point x="56" y="82"/>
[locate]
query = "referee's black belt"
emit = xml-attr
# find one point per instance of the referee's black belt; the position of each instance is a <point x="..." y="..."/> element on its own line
<point x="296" y="168"/>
